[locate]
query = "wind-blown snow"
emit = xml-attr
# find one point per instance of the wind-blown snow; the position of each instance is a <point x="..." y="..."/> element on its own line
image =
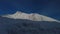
<point x="32" y="16"/>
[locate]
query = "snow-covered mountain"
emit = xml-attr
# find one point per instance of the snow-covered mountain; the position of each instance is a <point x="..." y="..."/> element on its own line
<point x="23" y="26"/>
<point x="32" y="16"/>
<point x="23" y="23"/>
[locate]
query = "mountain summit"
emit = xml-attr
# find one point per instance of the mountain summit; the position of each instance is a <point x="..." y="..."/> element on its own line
<point x="32" y="16"/>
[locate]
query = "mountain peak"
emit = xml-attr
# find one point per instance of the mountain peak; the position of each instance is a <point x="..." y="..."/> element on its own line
<point x="18" y="12"/>
<point x="32" y="16"/>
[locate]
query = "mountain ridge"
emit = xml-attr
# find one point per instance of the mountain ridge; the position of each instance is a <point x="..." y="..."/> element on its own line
<point x="32" y="16"/>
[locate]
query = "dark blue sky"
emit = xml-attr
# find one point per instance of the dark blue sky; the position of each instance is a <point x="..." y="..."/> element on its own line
<point x="49" y="8"/>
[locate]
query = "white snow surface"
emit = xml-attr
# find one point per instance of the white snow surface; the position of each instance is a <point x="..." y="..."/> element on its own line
<point x="32" y="16"/>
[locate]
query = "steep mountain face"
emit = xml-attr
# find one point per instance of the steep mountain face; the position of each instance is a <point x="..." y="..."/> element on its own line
<point x="32" y="16"/>
<point x="23" y="26"/>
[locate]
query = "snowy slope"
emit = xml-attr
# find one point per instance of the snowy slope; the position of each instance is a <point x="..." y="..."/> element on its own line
<point x="32" y="16"/>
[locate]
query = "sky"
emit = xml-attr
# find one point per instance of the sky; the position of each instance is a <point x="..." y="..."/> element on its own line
<point x="49" y="8"/>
